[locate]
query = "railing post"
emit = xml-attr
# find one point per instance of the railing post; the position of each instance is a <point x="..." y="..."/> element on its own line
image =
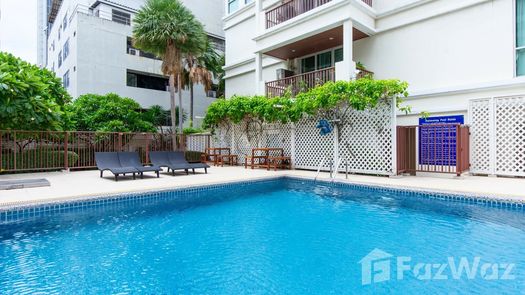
<point x="119" y="142"/>
<point x="66" y="158"/>
<point x="15" y="149"/>
<point x="458" y="151"/>
<point x="148" y="144"/>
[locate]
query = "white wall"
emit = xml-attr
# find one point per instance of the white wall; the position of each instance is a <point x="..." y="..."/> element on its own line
<point x="472" y="45"/>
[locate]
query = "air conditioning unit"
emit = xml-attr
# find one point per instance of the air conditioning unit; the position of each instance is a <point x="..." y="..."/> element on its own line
<point x="133" y="51"/>
<point x="212" y="93"/>
<point x="284" y="73"/>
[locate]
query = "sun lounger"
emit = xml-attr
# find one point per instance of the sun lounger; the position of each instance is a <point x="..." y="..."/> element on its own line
<point x="178" y="159"/>
<point x="161" y="159"/>
<point x="132" y="159"/>
<point x="110" y="161"/>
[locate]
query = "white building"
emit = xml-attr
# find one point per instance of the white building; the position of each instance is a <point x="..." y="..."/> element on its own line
<point x="89" y="47"/>
<point x="449" y="51"/>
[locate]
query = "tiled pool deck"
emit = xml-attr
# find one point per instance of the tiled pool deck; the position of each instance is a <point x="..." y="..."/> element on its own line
<point x="86" y="184"/>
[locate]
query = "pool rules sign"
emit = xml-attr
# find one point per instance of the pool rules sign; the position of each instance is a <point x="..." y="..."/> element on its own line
<point x="437" y="142"/>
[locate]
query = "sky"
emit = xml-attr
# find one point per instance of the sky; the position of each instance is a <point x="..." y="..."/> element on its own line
<point x="18" y="28"/>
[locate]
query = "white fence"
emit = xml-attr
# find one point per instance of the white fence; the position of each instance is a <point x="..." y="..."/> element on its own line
<point x="498" y="136"/>
<point x="365" y="140"/>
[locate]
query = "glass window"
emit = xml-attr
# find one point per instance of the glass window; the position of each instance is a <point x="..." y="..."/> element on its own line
<point x="324" y="60"/>
<point x="308" y="64"/>
<point x="233" y="5"/>
<point x="338" y="55"/>
<point x="121" y="17"/>
<point x="64" y="23"/>
<point x="146" y="81"/>
<point x="520" y="37"/>
<point x="248" y="1"/>
<point x="59" y="59"/>
<point x="65" y="79"/>
<point x="59" y="30"/>
<point x="66" y="49"/>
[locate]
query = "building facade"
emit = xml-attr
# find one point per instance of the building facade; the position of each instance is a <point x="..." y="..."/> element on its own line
<point x="89" y="46"/>
<point x="449" y="51"/>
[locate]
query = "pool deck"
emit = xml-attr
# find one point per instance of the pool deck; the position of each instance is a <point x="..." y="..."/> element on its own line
<point x="85" y="184"/>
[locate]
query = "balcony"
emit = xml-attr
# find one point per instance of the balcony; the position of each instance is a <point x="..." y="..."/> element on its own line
<point x="303" y="82"/>
<point x="293" y="8"/>
<point x="299" y="83"/>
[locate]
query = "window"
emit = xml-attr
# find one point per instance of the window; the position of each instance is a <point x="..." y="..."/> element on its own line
<point x="324" y="60"/>
<point x="338" y="55"/>
<point x="520" y="37"/>
<point x="248" y="1"/>
<point x="65" y="79"/>
<point x="59" y="59"/>
<point x="308" y="64"/>
<point x="121" y="17"/>
<point x="66" y="49"/>
<point x="64" y="22"/>
<point x="217" y="43"/>
<point x="233" y="5"/>
<point x="146" y="81"/>
<point x="321" y="60"/>
<point x="133" y="51"/>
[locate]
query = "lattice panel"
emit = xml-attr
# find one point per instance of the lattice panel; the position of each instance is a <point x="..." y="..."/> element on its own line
<point x="246" y="135"/>
<point x="196" y="143"/>
<point x="222" y="136"/>
<point x="278" y="135"/>
<point x="480" y="114"/>
<point x="510" y="135"/>
<point x="310" y="146"/>
<point x="365" y="140"/>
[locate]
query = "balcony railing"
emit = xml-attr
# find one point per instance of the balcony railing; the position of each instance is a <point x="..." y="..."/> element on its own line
<point x="293" y="8"/>
<point x="290" y="10"/>
<point x="299" y="83"/>
<point x="364" y="74"/>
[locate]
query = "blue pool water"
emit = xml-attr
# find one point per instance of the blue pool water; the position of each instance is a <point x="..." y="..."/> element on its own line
<point x="283" y="236"/>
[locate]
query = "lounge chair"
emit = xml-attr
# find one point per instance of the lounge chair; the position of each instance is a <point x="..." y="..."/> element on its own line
<point x="131" y="159"/>
<point x="178" y="158"/>
<point x="161" y="159"/>
<point x="110" y="161"/>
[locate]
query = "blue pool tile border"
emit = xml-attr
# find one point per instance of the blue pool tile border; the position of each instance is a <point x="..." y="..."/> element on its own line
<point x="18" y="212"/>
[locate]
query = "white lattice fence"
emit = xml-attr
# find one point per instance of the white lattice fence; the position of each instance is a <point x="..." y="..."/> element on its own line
<point x="197" y="142"/>
<point x="366" y="140"/>
<point x="480" y="120"/>
<point x="510" y="135"/>
<point x="498" y="136"/>
<point x="310" y="146"/>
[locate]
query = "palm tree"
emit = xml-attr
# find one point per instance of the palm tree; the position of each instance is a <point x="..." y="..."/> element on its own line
<point x="169" y="30"/>
<point x="201" y="69"/>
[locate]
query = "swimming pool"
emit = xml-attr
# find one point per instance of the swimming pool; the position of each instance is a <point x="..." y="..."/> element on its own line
<point x="282" y="235"/>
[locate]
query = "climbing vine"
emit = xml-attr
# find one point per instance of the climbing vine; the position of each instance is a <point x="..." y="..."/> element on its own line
<point x="341" y="95"/>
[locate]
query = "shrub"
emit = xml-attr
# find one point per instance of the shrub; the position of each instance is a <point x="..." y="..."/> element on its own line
<point x="33" y="159"/>
<point x="31" y="98"/>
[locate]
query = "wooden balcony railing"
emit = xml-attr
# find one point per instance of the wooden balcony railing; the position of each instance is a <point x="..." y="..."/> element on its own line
<point x="364" y="74"/>
<point x="290" y="10"/>
<point x="293" y="8"/>
<point x="300" y="83"/>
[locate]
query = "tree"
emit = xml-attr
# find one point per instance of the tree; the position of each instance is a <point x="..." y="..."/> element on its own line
<point x="31" y="98"/>
<point x="169" y="30"/>
<point x="201" y="69"/>
<point x="159" y="117"/>
<point x="110" y="112"/>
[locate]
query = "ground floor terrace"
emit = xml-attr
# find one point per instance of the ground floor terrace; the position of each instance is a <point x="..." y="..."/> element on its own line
<point x="65" y="186"/>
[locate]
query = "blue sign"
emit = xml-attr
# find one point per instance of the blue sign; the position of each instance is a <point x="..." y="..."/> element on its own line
<point x="437" y="144"/>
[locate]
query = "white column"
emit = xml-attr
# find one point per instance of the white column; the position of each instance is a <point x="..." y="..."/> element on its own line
<point x="259" y="85"/>
<point x="345" y="70"/>
<point x="259" y="17"/>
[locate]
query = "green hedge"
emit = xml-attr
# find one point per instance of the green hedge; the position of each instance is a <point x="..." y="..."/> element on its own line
<point x="193" y="156"/>
<point x="40" y="159"/>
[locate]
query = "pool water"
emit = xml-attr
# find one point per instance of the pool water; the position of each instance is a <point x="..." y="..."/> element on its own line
<point x="283" y="236"/>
